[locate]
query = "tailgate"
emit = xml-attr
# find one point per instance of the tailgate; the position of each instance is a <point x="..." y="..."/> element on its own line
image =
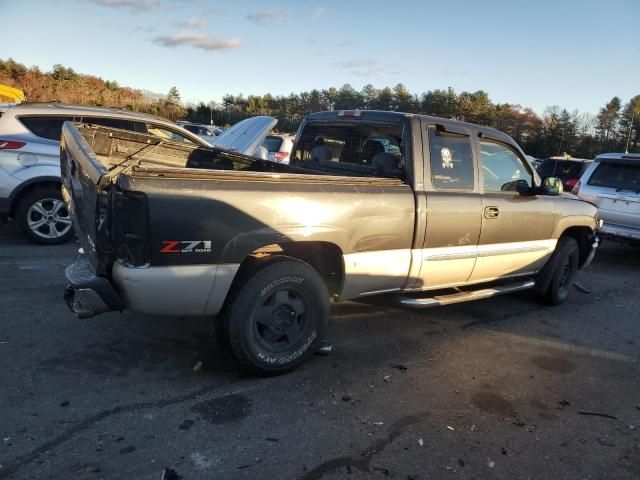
<point x="84" y="189"/>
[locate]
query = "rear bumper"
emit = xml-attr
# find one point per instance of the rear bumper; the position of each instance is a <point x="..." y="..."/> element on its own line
<point x="87" y="294"/>
<point x="620" y="232"/>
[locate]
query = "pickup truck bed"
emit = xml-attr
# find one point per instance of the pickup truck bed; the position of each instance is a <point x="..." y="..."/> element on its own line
<point x="170" y="224"/>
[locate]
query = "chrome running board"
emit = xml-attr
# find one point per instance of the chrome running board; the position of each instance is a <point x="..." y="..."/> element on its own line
<point x="462" y="296"/>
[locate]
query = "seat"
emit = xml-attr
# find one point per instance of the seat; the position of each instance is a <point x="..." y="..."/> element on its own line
<point x="369" y="150"/>
<point x="385" y="161"/>
<point x="321" y="153"/>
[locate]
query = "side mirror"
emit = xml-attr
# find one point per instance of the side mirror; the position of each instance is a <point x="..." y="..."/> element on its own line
<point x="521" y="186"/>
<point x="552" y="186"/>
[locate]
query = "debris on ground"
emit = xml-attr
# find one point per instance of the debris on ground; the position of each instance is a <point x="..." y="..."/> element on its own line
<point x="582" y="288"/>
<point x="473" y="428"/>
<point x="399" y="366"/>
<point x="324" y="349"/>
<point x="198" y="366"/>
<point x="385" y="471"/>
<point x="186" y="425"/>
<point x="490" y="463"/>
<point x="599" y="414"/>
<point x="378" y="423"/>
<point x="421" y="442"/>
<point x="563" y="403"/>
<point x="605" y="443"/>
<point x="451" y="428"/>
<point x="346" y="398"/>
<point x="387" y="378"/>
<point x="170" y="474"/>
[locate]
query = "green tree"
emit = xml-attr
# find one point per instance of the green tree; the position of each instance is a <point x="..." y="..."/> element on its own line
<point x="629" y="125"/>
<point x="173" y="97"/>
<point x="368" y="95"/>
<point x="402" y="99"/>
<point x="607" y="120"/>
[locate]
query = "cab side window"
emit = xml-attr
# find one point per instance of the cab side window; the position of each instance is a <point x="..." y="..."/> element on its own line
<point x="502" y="168"/>
<point x="451" y="161"/>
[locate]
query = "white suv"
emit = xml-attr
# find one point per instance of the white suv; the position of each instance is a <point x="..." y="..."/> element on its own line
<point x="612" y="183"/>
<point x="30" y="160"/>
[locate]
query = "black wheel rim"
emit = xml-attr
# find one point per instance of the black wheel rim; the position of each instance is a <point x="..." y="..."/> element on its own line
<point x="279" y="322"/>
<point x="565" y="276"/>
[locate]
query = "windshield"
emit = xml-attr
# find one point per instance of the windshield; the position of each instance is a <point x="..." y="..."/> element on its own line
<point x="616" y="175"/>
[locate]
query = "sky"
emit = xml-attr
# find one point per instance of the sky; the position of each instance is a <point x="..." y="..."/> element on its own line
<point x="576" y="54"/>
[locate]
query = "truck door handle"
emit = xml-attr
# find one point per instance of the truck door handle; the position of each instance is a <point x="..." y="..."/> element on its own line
<point x="491" y="212"/>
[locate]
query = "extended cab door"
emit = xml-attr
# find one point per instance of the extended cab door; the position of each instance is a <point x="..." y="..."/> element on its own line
<point x="516" y="229"/>
<point x="453" y="207"/>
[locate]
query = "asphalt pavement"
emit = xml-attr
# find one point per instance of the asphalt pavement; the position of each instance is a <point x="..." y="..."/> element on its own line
<point x="504" y="388"/>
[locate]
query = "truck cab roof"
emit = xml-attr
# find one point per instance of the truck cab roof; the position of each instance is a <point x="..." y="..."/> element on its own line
<point x="397" y="117"/>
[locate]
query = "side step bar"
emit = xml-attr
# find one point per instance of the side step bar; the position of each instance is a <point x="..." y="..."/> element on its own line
<point x="458" y="297"/>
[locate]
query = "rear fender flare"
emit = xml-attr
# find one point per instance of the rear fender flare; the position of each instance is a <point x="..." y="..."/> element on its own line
<point x="243" y="245"/>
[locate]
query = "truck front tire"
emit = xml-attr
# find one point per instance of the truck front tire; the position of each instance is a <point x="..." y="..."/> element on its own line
<point x="277" y="316"/>
<point x="562" y="268"/>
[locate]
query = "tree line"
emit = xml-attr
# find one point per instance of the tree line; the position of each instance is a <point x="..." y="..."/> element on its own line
<point x="557" y="131"/>
<point x="65" y="85"/>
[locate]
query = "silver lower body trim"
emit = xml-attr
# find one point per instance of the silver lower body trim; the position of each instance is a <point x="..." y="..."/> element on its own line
<point x="187" y="290"/>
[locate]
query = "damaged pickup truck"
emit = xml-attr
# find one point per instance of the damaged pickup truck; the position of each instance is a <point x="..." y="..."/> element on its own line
<point x="435" y="211"/>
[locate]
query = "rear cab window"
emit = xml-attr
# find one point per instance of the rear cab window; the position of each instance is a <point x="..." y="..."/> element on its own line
<point x="451" y="160"/>
<point x="620" y="176"/>
<point x="45" y="126"/>
<point x="356" y="149"/>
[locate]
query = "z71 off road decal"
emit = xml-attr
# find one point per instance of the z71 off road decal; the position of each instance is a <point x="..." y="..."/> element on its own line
<point x="186" y="246"/>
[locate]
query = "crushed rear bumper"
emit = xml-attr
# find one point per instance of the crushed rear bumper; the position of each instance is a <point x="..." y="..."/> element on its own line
<point x="87" y="294"/>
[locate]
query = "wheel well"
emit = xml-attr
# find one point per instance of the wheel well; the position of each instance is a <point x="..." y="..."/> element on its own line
<point x="584" y="237"/>
<point x="28" y="189"/>
<point x="324" y="257"/>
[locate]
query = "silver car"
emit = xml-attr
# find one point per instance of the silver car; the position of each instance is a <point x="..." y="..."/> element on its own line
<point x="612" y="183"/>
<point x="30" y="164"/>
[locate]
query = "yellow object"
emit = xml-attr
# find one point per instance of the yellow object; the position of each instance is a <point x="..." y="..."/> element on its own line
<point x="10" y="94"/>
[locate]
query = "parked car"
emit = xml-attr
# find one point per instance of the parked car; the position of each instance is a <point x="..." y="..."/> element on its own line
<point x="247" y="136"/>
<point x="433" y="210"/>
<point x="205" y="132"/>
<point x="30" y="160"/>
<point x="567" y="169"/>
<point x="279" y="147"/>
<point x="612" y="183"/>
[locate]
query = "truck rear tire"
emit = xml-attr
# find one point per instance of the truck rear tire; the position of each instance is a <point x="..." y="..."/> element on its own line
<point x="277" y="316"/>
<point x="43" y="217"/>
<point x="563" y="265"/>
